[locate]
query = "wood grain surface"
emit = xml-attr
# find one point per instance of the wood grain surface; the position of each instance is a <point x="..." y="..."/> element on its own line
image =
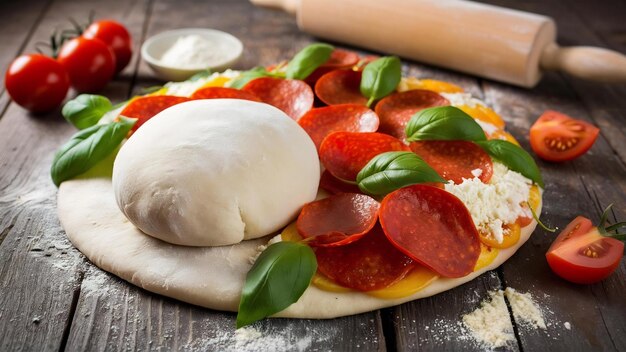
<point x="52" y="298"/>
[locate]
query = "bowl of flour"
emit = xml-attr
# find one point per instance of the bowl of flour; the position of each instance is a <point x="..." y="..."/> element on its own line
<point x="178" y="54"/>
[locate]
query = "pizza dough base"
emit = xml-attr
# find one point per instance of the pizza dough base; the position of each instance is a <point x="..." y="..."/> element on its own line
<point x="211" y="277"/>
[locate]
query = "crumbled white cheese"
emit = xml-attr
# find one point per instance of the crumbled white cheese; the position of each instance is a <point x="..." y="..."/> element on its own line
<point x="524" y="308"/>
<point x="261" y="248"/>
<point x="496" y="203"/>
<point x="567" y="325"/>
<point x="186" y="88"/>
<point x="194" y="51"/>
<point x="477" y="172"/>
<point x="491" y="323"/>
<point x="459" y="99"/>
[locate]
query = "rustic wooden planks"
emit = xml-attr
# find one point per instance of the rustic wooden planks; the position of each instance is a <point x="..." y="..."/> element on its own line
<point x="40" y="271"/>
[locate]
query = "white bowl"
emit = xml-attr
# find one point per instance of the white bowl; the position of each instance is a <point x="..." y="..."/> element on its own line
<point x="153" y="49"/>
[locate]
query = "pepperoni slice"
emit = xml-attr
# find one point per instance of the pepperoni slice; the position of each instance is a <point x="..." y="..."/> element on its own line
<point x="339" y="59"/>
<point x="333" y="185"/>
<point x="344" y="154"/>
<point x="340" y="87"/>
<point x="455" y="160"/>
<point x="396" y="110"/>
<point x="222" y="92"/>
<point x="433" y="227"/>
<point x="337" y="220"/>
<point x="370" y="263"/>
<point x="294" y="97"/>
<point x="321" y="122"/>
<point x="144" y="108"/>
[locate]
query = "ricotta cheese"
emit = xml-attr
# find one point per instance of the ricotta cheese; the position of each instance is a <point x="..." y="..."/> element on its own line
<point x="187" y="88"/>
<point x="497" y="203"/>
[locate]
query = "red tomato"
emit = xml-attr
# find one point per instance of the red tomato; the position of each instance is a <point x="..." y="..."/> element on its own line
<point x="580" y="254"/>
<point x="558" y="137"/>
<point x="89" y="62"/>
<point x="36" y="82"/>
<point x="114" y="35"/>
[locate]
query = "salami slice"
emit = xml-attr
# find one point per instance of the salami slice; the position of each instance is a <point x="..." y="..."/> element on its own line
<point x="396" y="110"/>
<point x="292" y="96"/>
<point x="144" y="108"/>
<point x="340" y="87"/>
<point x="433" y="227"/>
<point x="371" y="263"/>
<point x="223" y="93"/>
<point x="344" y="154"/>
<point x="333" y="185"/>
<point x="320" y="122"/>
<point x="339" y="59"/>
<point x="455" y="160"/>
<point x="337" y="220"/>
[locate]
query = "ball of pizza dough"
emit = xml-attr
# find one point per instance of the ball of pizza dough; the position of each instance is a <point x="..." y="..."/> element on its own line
<point x="215" y="172"/>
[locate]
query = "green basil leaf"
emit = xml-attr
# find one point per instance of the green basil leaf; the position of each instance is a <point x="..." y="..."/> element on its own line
<point x="390" y="171"/>
<point x="443" y="123"/>
<point x="514" y="157"/>
<point x="277" y="279"/>
<point x="86" y="110"/>
<point x="307" y="60"/>
<point x="248" y="76"/>
<point x="380" y="78"/>
<point x="87" y="147"/>
<point x="200" y="75"/>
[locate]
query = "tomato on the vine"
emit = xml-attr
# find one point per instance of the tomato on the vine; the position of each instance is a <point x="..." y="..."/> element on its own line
<point x="89" y="62"/>
<point x="584" y="254"/>
<point x="116" y="36"/>
<point x="558" y="137"/>
<point x="37" y="82"/>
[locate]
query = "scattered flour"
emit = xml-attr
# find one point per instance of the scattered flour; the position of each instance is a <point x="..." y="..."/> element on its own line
<point x="490" y="324"/>
<point x="524" y="308"/>
<point x="567" y="325"/>
<point x="250" y="339"/>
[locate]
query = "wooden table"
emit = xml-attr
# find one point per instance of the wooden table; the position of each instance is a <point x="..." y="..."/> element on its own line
<point x="52" y="298"/>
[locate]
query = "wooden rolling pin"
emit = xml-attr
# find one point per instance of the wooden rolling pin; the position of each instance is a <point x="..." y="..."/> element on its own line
<point x="489" y="41"/>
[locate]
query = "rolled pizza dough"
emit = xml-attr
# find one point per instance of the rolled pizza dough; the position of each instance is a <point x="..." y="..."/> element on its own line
<point x="204" y="172"/>
<point x="211" y="277"/>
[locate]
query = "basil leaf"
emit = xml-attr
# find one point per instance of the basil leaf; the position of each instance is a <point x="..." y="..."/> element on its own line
<point x="443" y="123"/>
<point x="200" y="75"/>
<point x="307" y="60"/>
<point x="87" y="147"/>
<point x="514" y="157"/>
<point x="380" y="78"/>
<point x="277" y="279"/>
<point x="248" y="76"/>
<point x="390" y="171"/>
<point x="86" y="110"/>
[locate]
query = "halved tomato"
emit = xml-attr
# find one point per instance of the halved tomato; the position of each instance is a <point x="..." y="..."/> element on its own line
<point x="582" y="255"/>
<point x="558" y="137"/>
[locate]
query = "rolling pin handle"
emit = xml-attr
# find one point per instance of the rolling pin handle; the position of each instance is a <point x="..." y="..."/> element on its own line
<point x="586" y="62"/>
<point x="289" y="6"/>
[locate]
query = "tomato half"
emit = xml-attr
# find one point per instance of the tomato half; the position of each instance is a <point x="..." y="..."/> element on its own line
<point x="117" y="38"/>
<point x="36" y="82"/>
<point x="89" y="62"/>
<point x="580" y="254"/>
<point x="558" y="137"/>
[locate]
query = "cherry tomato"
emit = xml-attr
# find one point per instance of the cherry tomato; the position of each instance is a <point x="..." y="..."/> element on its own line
<point x="558" y="137"/>
<point x="89" y="62"/>
<point x="36" y="82"/>
<point x="114" y="35"/>
<point x="580" y="254"/>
